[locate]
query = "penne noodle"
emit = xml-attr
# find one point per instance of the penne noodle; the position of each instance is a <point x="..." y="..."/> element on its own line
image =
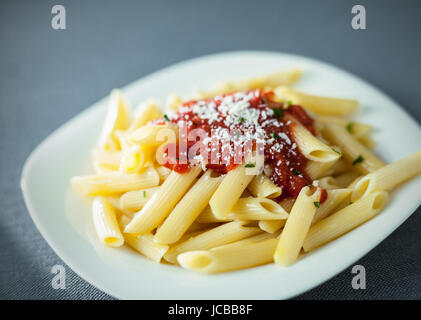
<point x="367" y="142"/>
<point x="345" y="220"/>
<point x="327" y="183"/>
<point x="315" y="169"/>
<point x="145" y="112"/>
<point x="115" y="182"/>
<point x="188" y="208"/>
<point x="163" y="201"/>
<point x="334" y="199"/>
<point x="262" y="187"/>
<point x="105" y="223"/>
<point x="287" y="204"/>
<point x="107" y="160"/>
<point x="388" y="177"/>
<point x="321" y="105"/>
<point x="297" y="226"/>
<point x="274" y="80"/>
<point x="229" y="191"/>
<point x="117" y="118"/>
<point x="144" y="244"/>
<point x="229" y="258"/>
<point x="248" y="208"/>
<point x="224" y="234"/>
<point x="154" y="135"/>
<point x="136" y="200"/>
<point x="312" y="148"/>
<point x="346" y="178"/>
<point x="362" y="159"/>
<point x="163" y="172"/>
<point x="271" y="226"/>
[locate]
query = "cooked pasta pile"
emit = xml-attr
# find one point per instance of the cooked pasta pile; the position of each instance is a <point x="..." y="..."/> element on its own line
<point x="276" y="173"/>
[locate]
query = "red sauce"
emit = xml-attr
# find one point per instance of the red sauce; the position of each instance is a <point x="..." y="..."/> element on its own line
<point x="282" y="155"/>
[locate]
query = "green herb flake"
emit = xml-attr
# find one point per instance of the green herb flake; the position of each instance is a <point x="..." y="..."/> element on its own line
<point x="289" y="102"/>
<point x="144" y="194"/>
<point x="350" y="127"/>
<point x="334" y="150"/>
<point x="241" y="120"/>
<point x="359" y="159"/>
<point x="316" y="204"/>
<point x="250" y="165"/>
<point x="166" y="118"/>
<point x="274" y="135"/>
<point x="296" y="172"/>
<point x="278" y="112"/>
<point x="350" y="202"/>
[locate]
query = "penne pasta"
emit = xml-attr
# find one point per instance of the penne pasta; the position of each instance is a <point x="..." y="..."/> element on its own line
<point x="136" y="200"/>
<point x="144" y="244"/>
<point x="327" y="183"/>
<point x="334" y="199"/>
<point x="117" y="118"/>
<point x="312" y="148"/>
<point x="229" y="258"/>
<point x="154" y="135"/>
<point x="345" y="220"/>
<point x="262" y="187"/>
<point x="229" y="191"/>
<point x="106" y="160"/>
<point x="271" y="226"/>
<point x="346" y="178"/>
<point x="145" y="112"/>
<point x="297" y="226"/>
<point x="163" y="201"/>
<point x="112" y="183"/>
<point x="388" y="177"/>
<point x="224" y="234"/>
<point x="321" y="105"/>
<point x="361" y="158"/>
<point x="187" y="210"/>
<point x="105" y="223"/>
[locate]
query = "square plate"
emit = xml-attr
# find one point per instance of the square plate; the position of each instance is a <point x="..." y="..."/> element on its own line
<point x="64" y="219"/>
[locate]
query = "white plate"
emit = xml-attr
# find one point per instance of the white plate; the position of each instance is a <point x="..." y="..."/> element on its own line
<point x="64" y="219"/>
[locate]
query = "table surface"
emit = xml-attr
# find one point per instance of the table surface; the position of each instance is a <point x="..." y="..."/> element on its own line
<point x="48" y="76"/>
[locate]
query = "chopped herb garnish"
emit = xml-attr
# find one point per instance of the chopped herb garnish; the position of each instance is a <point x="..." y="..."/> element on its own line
<point x="250" y="165"/>
<point x="334" y="150"/>
<point x="241" y="120"/>
<point x="144" y="194"/>
<point x="177" y="158"/>
<point x="296" y="172"/>
<point x="317" y="204"/>
<point x="350" y="127"/>
<point x="350" y="202"/>
<point x="289" y="102"/>
<point x="274" y="135"/>
<point x="278" y="112"/>
<point x="166" y="118"/>
<point x="359" y="159"/>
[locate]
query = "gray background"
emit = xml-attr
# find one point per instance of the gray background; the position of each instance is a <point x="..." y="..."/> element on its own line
<point x="48" y="76"/>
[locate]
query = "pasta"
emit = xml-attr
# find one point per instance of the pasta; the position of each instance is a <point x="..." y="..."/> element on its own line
<point x="105" y="223"/>
<point x="248" y="173"/>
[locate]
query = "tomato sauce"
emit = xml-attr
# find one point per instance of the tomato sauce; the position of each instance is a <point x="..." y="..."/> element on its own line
<point x="256" y="116"/>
